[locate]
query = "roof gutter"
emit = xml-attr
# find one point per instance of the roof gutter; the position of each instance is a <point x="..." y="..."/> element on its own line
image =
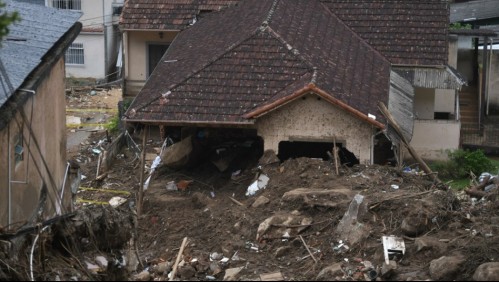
<point x="312" y="88"/>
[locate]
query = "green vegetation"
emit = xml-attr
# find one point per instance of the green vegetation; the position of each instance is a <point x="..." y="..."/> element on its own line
<point x="113" y="125"/>
<point x="460" y="26"/>
<point x="463" y="165"/>
<point x="6" y="19"/>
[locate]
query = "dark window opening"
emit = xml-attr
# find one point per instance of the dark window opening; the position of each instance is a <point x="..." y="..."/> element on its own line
<point x="297" y="149"/>
<point x="383" y="153"/>
<point x="19" y="149"/>
<point x="442" y="115"/>
<point x="156" y="52"/>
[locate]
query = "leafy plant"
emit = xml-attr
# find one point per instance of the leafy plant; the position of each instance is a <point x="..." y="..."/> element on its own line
<point x="462" y="163"/>
<point x="114" y="124"/>
<point x="460" y="26"/>
<point x="6" y="19"/>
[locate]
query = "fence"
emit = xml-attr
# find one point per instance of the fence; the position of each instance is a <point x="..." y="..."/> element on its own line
<point x="486" y="135"/>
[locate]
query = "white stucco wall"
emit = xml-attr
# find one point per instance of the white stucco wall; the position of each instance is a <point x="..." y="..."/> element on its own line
<point x="445" y="100"/>
<point x="93" y="45"/>
<point x="136" y="51"/>
<point x="432" y="138"/>
<point x="424" y="103"/>
<point x="312" y="119"/>
<point x="494" y="82"/>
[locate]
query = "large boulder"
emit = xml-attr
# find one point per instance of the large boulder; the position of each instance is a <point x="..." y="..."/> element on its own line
<point x="487" y="272"/>
<point x="446" y="267"/>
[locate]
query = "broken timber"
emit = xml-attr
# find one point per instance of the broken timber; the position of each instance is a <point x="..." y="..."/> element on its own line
<point x="413" y="153"/>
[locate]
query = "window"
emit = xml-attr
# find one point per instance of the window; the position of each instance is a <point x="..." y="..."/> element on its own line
<point x="19" y="149"/>
<point x="67" y="4"/>
<point x="75" y="54"/>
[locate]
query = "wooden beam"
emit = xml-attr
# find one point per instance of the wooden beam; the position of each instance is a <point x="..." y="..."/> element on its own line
<point x="413" y="153"/>
<point x="142" y="167"/>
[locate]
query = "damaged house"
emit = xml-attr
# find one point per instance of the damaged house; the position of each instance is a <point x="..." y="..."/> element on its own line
<point x="33" y="166"/>
<point x="303" y="76"/>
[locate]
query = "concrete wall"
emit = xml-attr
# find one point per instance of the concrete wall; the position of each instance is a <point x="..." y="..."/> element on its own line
<point x="45" y="113"/>
<point x="93" y="45"/>
<point x="465" y="57"/>
<point x="445" y="100"/>
<point x="424" y="103"/>
<point x="313" y="119"/>
<point x="432" y="138"/>
<point x="494" y="83"/>
<point x="135" y="56"/>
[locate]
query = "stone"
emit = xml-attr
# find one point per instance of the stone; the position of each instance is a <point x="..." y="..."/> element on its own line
<point x="414" y="226"/>
<point x="260" y="201"/>
<point x="143" y="276"/>
<point x="92" y="267"/>
<point x="330" y="272"/>
<point x="388" y="270"/>
<point x="282" y="251"/>
<point x="430" y="244"/>
<point x="231" y="273"/>
<point x="487" y="272"/>
<point x="444" y="268"/>
<point x="163" y="267"/>
<point x="101" y="261"/>
<point x="268" y="157"/>
<point x="186" y="272"/>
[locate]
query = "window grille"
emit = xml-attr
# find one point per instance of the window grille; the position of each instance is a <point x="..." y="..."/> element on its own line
<point x="67" y="4"/>
<point x="75" y="54"/>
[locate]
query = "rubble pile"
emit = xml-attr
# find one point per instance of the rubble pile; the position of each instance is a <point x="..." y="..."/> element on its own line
<point x="272" y="220"/>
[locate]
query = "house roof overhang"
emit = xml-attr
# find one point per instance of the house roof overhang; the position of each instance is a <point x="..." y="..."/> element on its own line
<point x="311" y="88"/>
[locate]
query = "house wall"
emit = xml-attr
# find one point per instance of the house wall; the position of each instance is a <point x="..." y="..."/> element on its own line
<point x="135" y="54"/>
<point x="432" y="138"/>
<point x="45" y="113"/>
<point x="445" y="100"/>
<point x="465" y="55"/>
<point x="494" y="83"/>
<point x="312" y="119"/>
<point x="424" y="103"/>
<point x="93" y="45"/>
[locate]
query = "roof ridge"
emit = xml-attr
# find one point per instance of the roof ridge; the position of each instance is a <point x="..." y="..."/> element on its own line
<point x="267" y="20"/>
<point x="354" y="32"/>
<point x="204" y="66"/>
<point x="295" y="52"/>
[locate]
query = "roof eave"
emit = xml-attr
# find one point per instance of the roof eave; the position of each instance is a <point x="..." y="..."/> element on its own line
<point x="258" y="112"/>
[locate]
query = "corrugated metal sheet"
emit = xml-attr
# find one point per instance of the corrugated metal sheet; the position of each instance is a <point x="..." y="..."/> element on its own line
<point x="474" y="10"/>
<point x="438" y="78"/>
<point x="28" y="41"/>
<point x="400" y="105"/>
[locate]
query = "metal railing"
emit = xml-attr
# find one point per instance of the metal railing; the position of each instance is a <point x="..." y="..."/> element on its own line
<point x="480" y="135"/>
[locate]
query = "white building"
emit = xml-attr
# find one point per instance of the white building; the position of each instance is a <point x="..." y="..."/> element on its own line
<point x="94" y="52"/>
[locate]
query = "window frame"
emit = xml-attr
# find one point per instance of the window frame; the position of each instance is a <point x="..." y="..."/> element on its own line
<point x="75" y="54"/>
<point x="74" y="5"/>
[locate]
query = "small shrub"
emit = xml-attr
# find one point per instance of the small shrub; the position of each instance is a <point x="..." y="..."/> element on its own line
<point x="463" y="162"/>
<point x="114" y="124"/>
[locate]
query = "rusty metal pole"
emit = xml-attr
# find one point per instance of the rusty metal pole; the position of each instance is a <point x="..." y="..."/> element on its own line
<point x="142" y="167"/>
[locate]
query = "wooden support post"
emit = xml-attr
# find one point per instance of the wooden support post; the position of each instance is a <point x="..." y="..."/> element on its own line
<point x="142" y="167"/>
<point x="335" y="153"/>
<point x="179" y="256"/>
<point x="413" y="153"/>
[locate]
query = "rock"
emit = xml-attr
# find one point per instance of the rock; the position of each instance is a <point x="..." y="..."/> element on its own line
<point x="282" y="251"/>
<point x="388" y="270"/>
<point x="231" y="273"/>
<point x="143" y="276"/>
<point x="330" y="272"/>
<point x="414" y="226"/>
<point x="430" y="244"/>
<point x="444" y="268"/>
<point x="487" y="272"/>
<point x="101" y="261"/>
<point x="215" y="268"/>
<point x="163" y="267"/>
<point x="186" y="272"/>
<point x="349" y="228"/>
<point x="269" y="157"/>
<point x="260" y="201"/>
<point x="304" y="175"/>
<point x="92" y="267"/>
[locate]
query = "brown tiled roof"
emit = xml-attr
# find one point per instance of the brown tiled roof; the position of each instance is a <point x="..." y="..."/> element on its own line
<point x="166" y="14"/>
<point x="248" y="58"/>
<point x="411" y="32"/>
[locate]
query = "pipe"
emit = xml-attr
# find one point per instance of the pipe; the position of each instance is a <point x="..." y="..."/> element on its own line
<point x="62" y="190"/>
<point x="33" y="250"/>
<point x="9" y="220"/>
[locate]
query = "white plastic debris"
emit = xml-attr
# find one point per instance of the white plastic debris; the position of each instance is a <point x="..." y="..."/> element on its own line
<point x="260" y="183"/>
<point x="116" y="201"/>
<point x="392" y="245"/>
<point x="394" y="186"/>
<point x="171" y="186"/>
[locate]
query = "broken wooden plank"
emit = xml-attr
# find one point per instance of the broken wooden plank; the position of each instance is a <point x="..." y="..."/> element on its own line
<point x="179" y="256"/>
<point x="276" y="276"/>
<point x="306" y="246"/>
